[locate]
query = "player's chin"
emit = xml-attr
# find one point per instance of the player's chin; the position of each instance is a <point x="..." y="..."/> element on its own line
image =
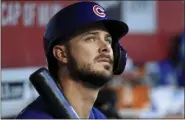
<point x="104" y="65"/>
<point x="104" y="70"/>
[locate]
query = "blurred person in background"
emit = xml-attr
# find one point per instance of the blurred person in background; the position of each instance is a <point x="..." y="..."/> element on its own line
<point x="170" y="71"/>
<point x="135" y="91"/>
<point x="166" y="78"/>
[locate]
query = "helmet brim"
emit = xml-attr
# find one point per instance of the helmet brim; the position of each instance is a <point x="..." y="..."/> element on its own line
<point x="117" y="29"/>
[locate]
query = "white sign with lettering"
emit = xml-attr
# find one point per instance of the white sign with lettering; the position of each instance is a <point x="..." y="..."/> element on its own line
<point x="140" y="16"/>
<point x="29" y="13"/>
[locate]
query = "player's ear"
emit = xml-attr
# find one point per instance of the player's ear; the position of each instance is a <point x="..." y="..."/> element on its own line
<point x="59" y="52"/>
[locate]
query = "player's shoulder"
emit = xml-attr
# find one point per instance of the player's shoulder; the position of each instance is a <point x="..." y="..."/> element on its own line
<point x="97" y="114"/>
<point x="38" y="110"/>
<point x="35" y="110"/>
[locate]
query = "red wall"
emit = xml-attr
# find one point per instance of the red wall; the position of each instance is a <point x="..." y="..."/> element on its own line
<point x="23" y="46"/>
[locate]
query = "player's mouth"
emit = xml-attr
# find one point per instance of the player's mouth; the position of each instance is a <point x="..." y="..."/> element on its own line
<point x="105" y="60"/>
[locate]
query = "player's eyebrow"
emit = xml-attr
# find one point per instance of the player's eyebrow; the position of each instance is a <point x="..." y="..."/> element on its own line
<point x="108" y="35"/>
<point x="95" y="33"/>
<point x="91" y="32"/>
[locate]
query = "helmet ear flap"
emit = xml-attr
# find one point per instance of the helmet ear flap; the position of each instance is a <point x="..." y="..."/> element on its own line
<point x="120" y="58"/>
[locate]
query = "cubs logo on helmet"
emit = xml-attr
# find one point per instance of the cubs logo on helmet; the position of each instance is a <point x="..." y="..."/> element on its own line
<point x="99" y="11"/>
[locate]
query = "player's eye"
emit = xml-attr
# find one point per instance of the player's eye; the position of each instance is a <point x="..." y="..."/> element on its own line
<point x="109" y="40"/>
<point x="90" y="39"/>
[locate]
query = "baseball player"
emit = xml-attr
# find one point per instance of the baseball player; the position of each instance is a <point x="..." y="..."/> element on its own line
<point x="83" y="53"/>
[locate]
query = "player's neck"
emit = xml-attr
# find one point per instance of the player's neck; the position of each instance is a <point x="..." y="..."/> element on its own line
<point x="80" y="97"/>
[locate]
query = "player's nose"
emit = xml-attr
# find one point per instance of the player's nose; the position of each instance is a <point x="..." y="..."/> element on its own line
<point x="104" y="47"/>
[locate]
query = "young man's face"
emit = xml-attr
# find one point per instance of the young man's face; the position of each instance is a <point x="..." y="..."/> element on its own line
<point x="90" y="55"/>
